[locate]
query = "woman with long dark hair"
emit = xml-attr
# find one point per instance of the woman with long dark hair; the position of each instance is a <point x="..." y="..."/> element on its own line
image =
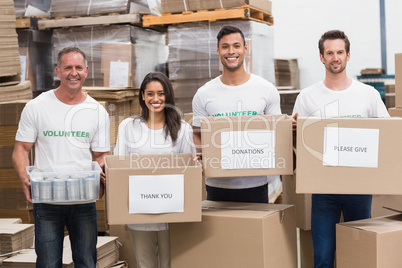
<point x="158" y="130"/>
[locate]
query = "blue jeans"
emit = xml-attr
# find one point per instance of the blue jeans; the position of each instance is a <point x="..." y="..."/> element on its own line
<point x="325" y="214"/>
<point x="80" y="221"/>
<point x="247" y="195"/>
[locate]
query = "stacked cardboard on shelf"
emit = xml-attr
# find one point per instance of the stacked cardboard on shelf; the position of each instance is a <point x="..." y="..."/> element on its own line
<point x="9" y="55"/>
<point x="174" y="6"/>
<point x="118" y="55"/>
<point x="16" y="91"/>
<point x="287" y="73"/>
<point x="193" y="59"/>
<point x="107" y="253"/>
<point x="12" y="199"/>
<point x="36" y="58"/>
<point x="14" y="237"/>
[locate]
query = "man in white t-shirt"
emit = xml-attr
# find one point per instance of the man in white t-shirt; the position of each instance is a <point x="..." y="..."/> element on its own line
<point x="336" y="96"/>
<point x="69" y="129"/>
<point x="235" y="93"/>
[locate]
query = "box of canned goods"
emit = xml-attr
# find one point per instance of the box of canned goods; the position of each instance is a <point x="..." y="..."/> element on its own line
<point x="65" y="186"/>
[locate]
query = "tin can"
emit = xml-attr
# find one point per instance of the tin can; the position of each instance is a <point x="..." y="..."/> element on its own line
<point x="45" y="190"/>
<point x="73" y="189"/>
<point x="90" y="188"/>
<point x="59" y="189"/>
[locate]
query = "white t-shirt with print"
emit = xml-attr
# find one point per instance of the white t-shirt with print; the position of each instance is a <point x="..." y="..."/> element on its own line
<point x="255" y="97"/>
<point x="64" y="135"/>
<point x="358" y="100"/>
<point x="134" y="137"/>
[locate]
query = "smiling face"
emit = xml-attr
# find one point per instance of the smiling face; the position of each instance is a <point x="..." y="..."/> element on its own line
<point x="335" y="56"/>
<point x="72" y="71"/>
<point x="154" y="97"/>
<point x="231" y="50"/>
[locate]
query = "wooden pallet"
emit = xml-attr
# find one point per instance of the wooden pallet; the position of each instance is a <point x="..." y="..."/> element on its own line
<point x="31" y="22"/>
<point x="243" y="12"/>
<point x="134" y="18"/>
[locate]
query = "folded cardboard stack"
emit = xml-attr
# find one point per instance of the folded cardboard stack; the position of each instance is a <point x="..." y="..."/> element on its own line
<point x="14" y="237"/>
<point x="12" y="198"/>
<point x="193" y="59"/>
<point x="9" y="55"/>
<point x="16" y="91"/>
<point x="145" y="52"/>
<point x="107" y="254"/>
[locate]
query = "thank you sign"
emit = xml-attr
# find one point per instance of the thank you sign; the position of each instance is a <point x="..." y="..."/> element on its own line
<point x="155" y="194"/>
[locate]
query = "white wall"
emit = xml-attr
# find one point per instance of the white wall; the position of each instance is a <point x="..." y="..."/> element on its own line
<point x="299" y="24"/>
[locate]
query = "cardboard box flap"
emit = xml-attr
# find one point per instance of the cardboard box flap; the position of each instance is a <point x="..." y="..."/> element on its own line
<point x="150" y="161"/>
<point x="394" y="208"/>
<point x="268" y="209"/>
<point x="378" y="225"/>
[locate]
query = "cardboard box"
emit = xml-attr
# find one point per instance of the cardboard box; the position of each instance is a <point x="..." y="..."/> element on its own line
<point x="236" y="235"/>
<point x="368" y="163"/>
<point x="117" y="53"/>
<point x="118" y="170"/>
<point x="398" y="80"/>
<point x="369" y="243"/>
<point x="302" y="202"/>
<point x="266" y="150"/>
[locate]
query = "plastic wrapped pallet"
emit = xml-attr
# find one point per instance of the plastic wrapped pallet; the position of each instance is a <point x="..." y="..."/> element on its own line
<point x="192" y="52"/>
<point x="148" y="53"/>
<point x="20" y="6"/>
<point x="68" y="8"/>
<point x="36" y="58"/>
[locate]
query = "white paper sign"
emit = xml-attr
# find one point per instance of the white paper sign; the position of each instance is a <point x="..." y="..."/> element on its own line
<point x="23" y="61"/>
<point x="119" y="71"/>
<point x="248" y="149"/>
<point x="156" y="194"/>
<point x="351" y="147"/>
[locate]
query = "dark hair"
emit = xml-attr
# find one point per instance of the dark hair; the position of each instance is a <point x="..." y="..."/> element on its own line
<point x="226" y="30"/>
<point x="332" y="35"/>
<point x="172" y="116"/>
<point x="68" y="50"/>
